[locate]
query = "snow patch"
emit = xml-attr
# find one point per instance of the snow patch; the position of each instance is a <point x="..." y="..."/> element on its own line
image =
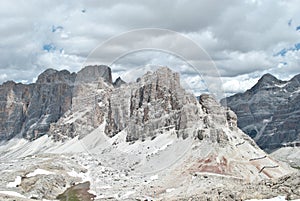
<point x="12" y="193"/>
<point x="281" y="85"/>
<point x="169" y="190"/>
<point x="15" y="183"/>
<point x="39" y="172"/>
<point x="154" y="177"/>
<point x="83" y="176"/>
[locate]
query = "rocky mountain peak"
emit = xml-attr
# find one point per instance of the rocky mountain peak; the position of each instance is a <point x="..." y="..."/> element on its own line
<point x="268" y="112"/>
<point x="209" y="103"/>
<point x="54" y="76"/>
<point x="8" y="83"/>
<point x="268" y="78"/>
<point x="94" y="73"/>
<point x="267" y="81"/>
<point x="148" y="105"/>
<point x="119" y="82"/>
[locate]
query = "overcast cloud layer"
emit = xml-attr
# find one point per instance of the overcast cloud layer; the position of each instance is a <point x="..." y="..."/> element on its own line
<point x="246" y="39"/>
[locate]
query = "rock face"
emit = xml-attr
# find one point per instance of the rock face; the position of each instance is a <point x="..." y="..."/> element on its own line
<point x="155" y="103"/>
<point x="269" y="112"/>
<point x="92" y="73"/>
<point x="14" y="103"/>
<point x="90" y="101"/>
<point x="152" y="105"/>
<point x="119" y="82"/>
<point x="66" y="105"/>
<point x="28" y="110"/>
<point x="51" y="97"/>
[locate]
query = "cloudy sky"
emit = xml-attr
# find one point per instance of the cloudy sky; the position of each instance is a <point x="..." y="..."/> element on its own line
<point x="244" y="38"/>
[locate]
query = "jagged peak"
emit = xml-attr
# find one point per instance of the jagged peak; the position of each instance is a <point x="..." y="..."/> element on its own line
<point x="92" y="73"/>
<point x="118" y="82"/>
<point x="49" y="71"/>
<point x="267" y="80"/>
<point x="162" y="70"/>
<point x="96" y="67"/>
<point x="52" y="75"/>
<point x="9" y="82"/>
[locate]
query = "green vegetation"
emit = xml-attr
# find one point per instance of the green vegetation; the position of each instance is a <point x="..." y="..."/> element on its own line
<point x="68" y="195"/>
<point x="78" y="192"/>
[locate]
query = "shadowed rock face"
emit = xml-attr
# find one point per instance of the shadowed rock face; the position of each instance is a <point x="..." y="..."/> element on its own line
<point x="269" y="112"/>
<point x="28" y="110"/>
<point x="119" y="82"/>
<point x="93" y="73"/>
<point x="14" y="103"/>
<point x="51" y="97"/>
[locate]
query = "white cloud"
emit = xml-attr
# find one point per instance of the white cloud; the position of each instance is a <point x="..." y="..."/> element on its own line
<point x="239" y="83"/>
<point x="241" y="36"/>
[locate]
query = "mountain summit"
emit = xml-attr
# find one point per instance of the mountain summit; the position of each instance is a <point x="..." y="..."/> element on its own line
<point x="269" y="112"/>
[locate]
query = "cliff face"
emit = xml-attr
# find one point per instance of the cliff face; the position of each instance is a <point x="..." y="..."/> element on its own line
<point x="154" y="104"/>
<point x="51" y="97"/>
<point x="65" y="105"/>
<point x="28" y="110"/>
<point x="14" y="103"/>
<point x="269" y="112"/>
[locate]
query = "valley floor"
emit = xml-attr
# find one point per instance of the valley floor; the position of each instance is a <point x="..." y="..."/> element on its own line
<point x="157" y="169"/>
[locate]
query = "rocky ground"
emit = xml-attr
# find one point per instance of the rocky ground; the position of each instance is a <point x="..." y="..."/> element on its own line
<point x="125" y="173"/>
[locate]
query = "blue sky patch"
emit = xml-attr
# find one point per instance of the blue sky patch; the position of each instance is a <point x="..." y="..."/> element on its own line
<point x="284" y="50"/>
<point x="56" y="28"/>
<point x="298" y="28"/>
<point x="281" y="52"/>
<point x="49" y="47"/>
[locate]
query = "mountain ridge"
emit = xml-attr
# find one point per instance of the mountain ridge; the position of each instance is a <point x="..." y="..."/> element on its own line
<point x="267" y="111"/>
<point x="29" y="109"/>
<point x="149" y="139"/>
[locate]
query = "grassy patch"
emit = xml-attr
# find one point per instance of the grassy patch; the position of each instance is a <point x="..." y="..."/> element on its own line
<point x="77" y="192"/>
<point x="68" y="196"/>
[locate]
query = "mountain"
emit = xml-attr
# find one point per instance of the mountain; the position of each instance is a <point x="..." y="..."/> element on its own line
<point x="269" y="112"/>
<point x="28" y="110"/>
<point x="145" y="140"/>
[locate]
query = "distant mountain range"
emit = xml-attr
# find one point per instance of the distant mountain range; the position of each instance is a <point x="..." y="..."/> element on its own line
<point x="145" y="140"/>
<point x="269" y="112"/>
